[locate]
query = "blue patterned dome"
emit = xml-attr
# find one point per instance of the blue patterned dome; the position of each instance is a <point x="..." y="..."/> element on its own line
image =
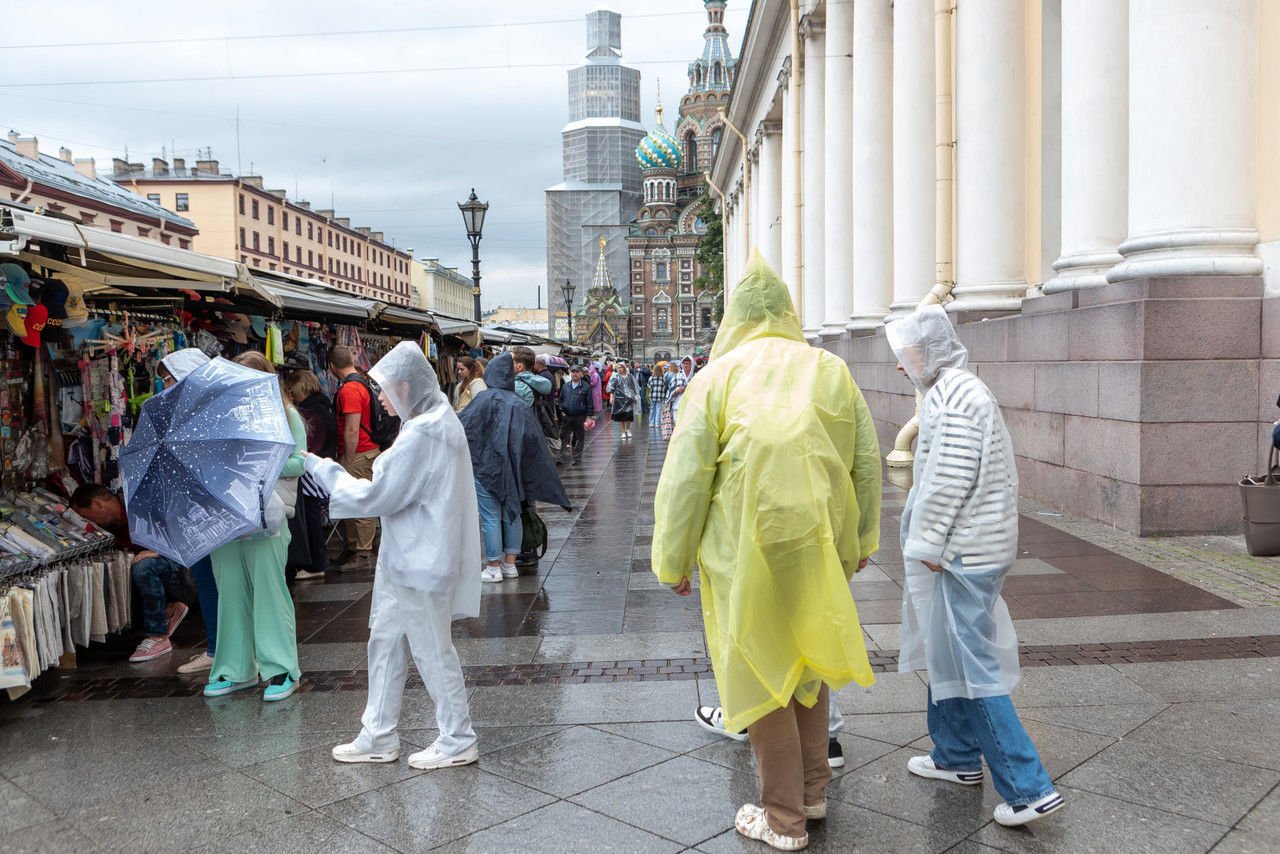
<point x="659" y="150"/>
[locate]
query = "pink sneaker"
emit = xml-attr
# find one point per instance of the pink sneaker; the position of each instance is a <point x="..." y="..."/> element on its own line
<point x="179" y="614"/>
<point x="151" y="648"/>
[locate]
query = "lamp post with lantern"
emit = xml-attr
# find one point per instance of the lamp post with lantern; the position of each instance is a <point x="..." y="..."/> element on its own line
<point x="568" y="290"/>
<point x="473" y="211"/>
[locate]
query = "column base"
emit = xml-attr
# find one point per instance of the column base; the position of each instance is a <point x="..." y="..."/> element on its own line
<point x="813" y="334"/>
<point x="987" y="296"/>
<point x="902" y="308"/>
<point x="866" y="321"/>
<point x="1081" y="270"/>
<point x="1189" y="252"/>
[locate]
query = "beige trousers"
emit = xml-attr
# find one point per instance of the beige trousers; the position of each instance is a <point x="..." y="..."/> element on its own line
<point x="790" y="745"/>
<point x="360" y="531"/>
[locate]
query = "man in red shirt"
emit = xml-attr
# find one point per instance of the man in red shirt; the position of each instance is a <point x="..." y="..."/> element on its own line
<point x="356" y="448"/>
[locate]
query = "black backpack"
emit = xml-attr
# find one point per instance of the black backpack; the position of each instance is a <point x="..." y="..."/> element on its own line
<point x="534" y="535"/>
<point x="383" y="426"/>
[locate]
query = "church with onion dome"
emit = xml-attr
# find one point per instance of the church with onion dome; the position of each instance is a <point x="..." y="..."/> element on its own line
<point x="669" y="318"/>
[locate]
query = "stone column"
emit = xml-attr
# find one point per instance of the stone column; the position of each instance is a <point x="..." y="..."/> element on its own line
<point x="755" y="234"/>
<point x="991" y="155"/>
<point x="837" y="200"/>
<point x="872" y="146"/>
<point x="814" y="180"/>
<point x="769" y="183"/>
<point x="1192" y="83"/>
<point x="790" y="216"/>
<point x="1095" y="141"/>
<point x="914" y="179"/>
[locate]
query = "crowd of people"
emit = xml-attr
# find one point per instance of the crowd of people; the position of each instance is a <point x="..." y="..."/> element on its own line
<point x="770" y="495"/>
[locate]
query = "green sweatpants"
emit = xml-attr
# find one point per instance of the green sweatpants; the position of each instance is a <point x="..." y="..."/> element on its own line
<point x="255" y="611"/>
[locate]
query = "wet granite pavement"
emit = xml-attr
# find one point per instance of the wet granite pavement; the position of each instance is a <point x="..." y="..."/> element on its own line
<point x="1154" y="704"/>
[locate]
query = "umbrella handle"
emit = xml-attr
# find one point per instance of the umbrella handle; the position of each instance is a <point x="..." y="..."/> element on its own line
<point x="262" y="506"/>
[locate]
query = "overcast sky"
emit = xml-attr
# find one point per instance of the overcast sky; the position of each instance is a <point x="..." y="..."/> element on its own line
<point x="385" y="123"/>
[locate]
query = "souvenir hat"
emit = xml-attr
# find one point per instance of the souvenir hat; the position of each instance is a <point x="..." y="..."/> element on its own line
<point x="17" y="319"/>
<point x="77" y="312"/>
<point x="238" y="327"/>
<point x="259" y="325"/>
<point x="16" y="281"/>
<point x="37" y="316"/>
<point x="54" y="298"/>
<point x="87" y="330"/>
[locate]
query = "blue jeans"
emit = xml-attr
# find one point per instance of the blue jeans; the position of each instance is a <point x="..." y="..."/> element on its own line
<point x="157" y="580"/>
<point x="964" y="731"/>
<point x="208" y="587"/>
<point x="501" y="536"/>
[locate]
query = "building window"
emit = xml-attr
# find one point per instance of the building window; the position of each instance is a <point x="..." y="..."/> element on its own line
<point x="661" y="319"/>
<point x="164" y="238"/>
<point x="117" y="226"/>
<point x="660" y="270"/>
<point x="255" y="241"/>
<point x="182" y="202"/>
<point x="254" y="209"/>
<point x="331" y="239"/>
<point x="87" y="218"/>
<point x="310" y="260"/>
<point x="297" y="254"/>
<point x="271" y="215"/>
<point x="309" y="236"/>
<point x="271" y="246"/>
<point x="184" y="244"/>
<point x="297" y="226"/>
<point x="144" y="232"/>
<point x="242" y="204"/>
<point x="715" y="142"/>
<point x="706" y="318"/>
<point x="690" y="152"/>
<point x="153" y="197"/>
<point x="242" y="243"/>
<point x="284" y="220"/>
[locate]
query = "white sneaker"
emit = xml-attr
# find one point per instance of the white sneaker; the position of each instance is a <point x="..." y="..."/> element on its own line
<point x="1018" y="816"/>
<point x="509" y="570"/>
<point x="751" y="823"/>
<point x="432" y="758"/>
<point x="197" y="664"/>
<point x="922" y="766"/>
<point x="491" y="574"/>
<point x="711" y="718"/>
<point x="352" y="753"/>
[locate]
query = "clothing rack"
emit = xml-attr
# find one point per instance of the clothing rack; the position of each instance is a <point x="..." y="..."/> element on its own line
<point x="33" y="565"/>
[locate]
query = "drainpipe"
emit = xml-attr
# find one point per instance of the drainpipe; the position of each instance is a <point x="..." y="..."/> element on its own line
<point x="26" y="192"/>
<point x="746" y="175"/>
<point x="797" y="120"/>
<point x="944" y="166"/>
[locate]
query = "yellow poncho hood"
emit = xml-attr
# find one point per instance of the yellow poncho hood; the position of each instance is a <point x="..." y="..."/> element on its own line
<point x="772" y="486"/>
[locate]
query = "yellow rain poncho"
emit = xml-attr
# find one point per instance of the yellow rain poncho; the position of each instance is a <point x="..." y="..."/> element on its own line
<point x="772" y="484"/>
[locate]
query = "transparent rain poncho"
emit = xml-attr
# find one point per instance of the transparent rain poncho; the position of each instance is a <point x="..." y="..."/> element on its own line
<point x="422" y="488"/>
<point x="772" y="485"/>
<point x="962" y="513"/>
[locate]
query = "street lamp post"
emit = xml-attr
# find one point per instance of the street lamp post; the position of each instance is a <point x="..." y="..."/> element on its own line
<point x="568" y="290"/>
<point x="473" y="211"/>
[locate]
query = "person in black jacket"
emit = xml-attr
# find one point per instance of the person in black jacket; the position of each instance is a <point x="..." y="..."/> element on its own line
<point x="309" y="560"/>
<point x="577" y="405"/>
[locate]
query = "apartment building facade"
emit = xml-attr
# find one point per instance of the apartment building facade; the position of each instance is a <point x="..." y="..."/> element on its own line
<point x="241" y="219"/>
<point x="442" y="289"/>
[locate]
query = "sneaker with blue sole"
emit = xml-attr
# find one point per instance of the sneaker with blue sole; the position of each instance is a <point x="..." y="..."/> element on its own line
<point x="222" y="687"/>
<point x="280" y="687"/>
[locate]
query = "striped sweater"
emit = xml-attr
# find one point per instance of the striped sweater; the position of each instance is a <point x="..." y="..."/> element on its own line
<point x="964" y="499"/>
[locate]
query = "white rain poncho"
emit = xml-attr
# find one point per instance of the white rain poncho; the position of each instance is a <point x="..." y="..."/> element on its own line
<point x="962" y="513"/>
<point x="422" y="487"/>
<point x="184" y="361"/>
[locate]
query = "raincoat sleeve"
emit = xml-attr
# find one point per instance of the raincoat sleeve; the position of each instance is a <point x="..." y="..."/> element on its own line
<point x="947" y="477"/>
<point x="293" y="466"/>
<point x="395" y="485"/>
<point x="866" y="477"/>
<point x="684" y="492"/>
<point x="540" y="385"/>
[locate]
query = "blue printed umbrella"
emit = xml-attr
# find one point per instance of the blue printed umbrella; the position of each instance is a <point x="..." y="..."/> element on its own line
<point x="203" y="460"/>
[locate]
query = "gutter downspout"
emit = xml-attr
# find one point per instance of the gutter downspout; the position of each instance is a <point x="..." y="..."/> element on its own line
<point x="944" y="166"/>
<point x="746" y="185"/>
<point x="26" y="192"/>
<point x="797" y="120"/>
<point x="724" y="204"/>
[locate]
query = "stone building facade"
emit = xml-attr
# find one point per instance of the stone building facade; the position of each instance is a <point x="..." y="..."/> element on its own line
<point x="1096" y="183"/>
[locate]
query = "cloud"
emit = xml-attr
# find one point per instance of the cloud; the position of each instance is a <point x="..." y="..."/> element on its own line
<point x="394" y="151"/>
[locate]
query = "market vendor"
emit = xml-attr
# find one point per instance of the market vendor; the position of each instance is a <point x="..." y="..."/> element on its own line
<point x="160" y="582"/>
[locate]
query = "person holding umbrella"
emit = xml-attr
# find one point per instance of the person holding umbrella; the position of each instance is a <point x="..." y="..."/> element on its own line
<point x="256" y="625"/>
<point x="423" y="492"/>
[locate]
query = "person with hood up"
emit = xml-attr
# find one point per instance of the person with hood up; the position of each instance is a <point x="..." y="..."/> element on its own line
<point x="174" y="368"/>
<point x="512" y="465"/>
<point x="423" y="492"/>
<point x="677" y="381"/>
<point x="597" y="393"/>
<point x="959" y="541"/>
<point x="772" y="486"/>
<point x="624" y="396"/>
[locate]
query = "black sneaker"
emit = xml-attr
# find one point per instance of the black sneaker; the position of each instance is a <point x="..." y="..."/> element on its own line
<point x="529" y="558"/>
<point x="835" y="754"/>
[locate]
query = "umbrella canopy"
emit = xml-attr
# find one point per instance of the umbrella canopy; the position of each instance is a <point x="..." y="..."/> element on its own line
<point x="203" y="460"/>
<point x="554" y="361"/>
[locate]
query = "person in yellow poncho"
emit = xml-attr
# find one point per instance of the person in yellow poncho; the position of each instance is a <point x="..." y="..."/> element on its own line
<point x="772" y="485"/>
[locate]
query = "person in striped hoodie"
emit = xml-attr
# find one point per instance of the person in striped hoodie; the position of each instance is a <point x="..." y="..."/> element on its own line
<point x="959" y="541"/>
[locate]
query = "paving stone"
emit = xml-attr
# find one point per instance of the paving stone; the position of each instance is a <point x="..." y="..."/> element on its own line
<point x="848" y="828"/>
<point x="572" y="760"/>
<point x="1217" y="732"/>
<point x="561" y="828"/>
<point x="56" y="835"/>
<point x="303" y="834"/>
<point x="679" y="736"/>
<point x="1166" y="777"/>
<point x="1113" y="720"/>
<point x="17" y="810"/>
